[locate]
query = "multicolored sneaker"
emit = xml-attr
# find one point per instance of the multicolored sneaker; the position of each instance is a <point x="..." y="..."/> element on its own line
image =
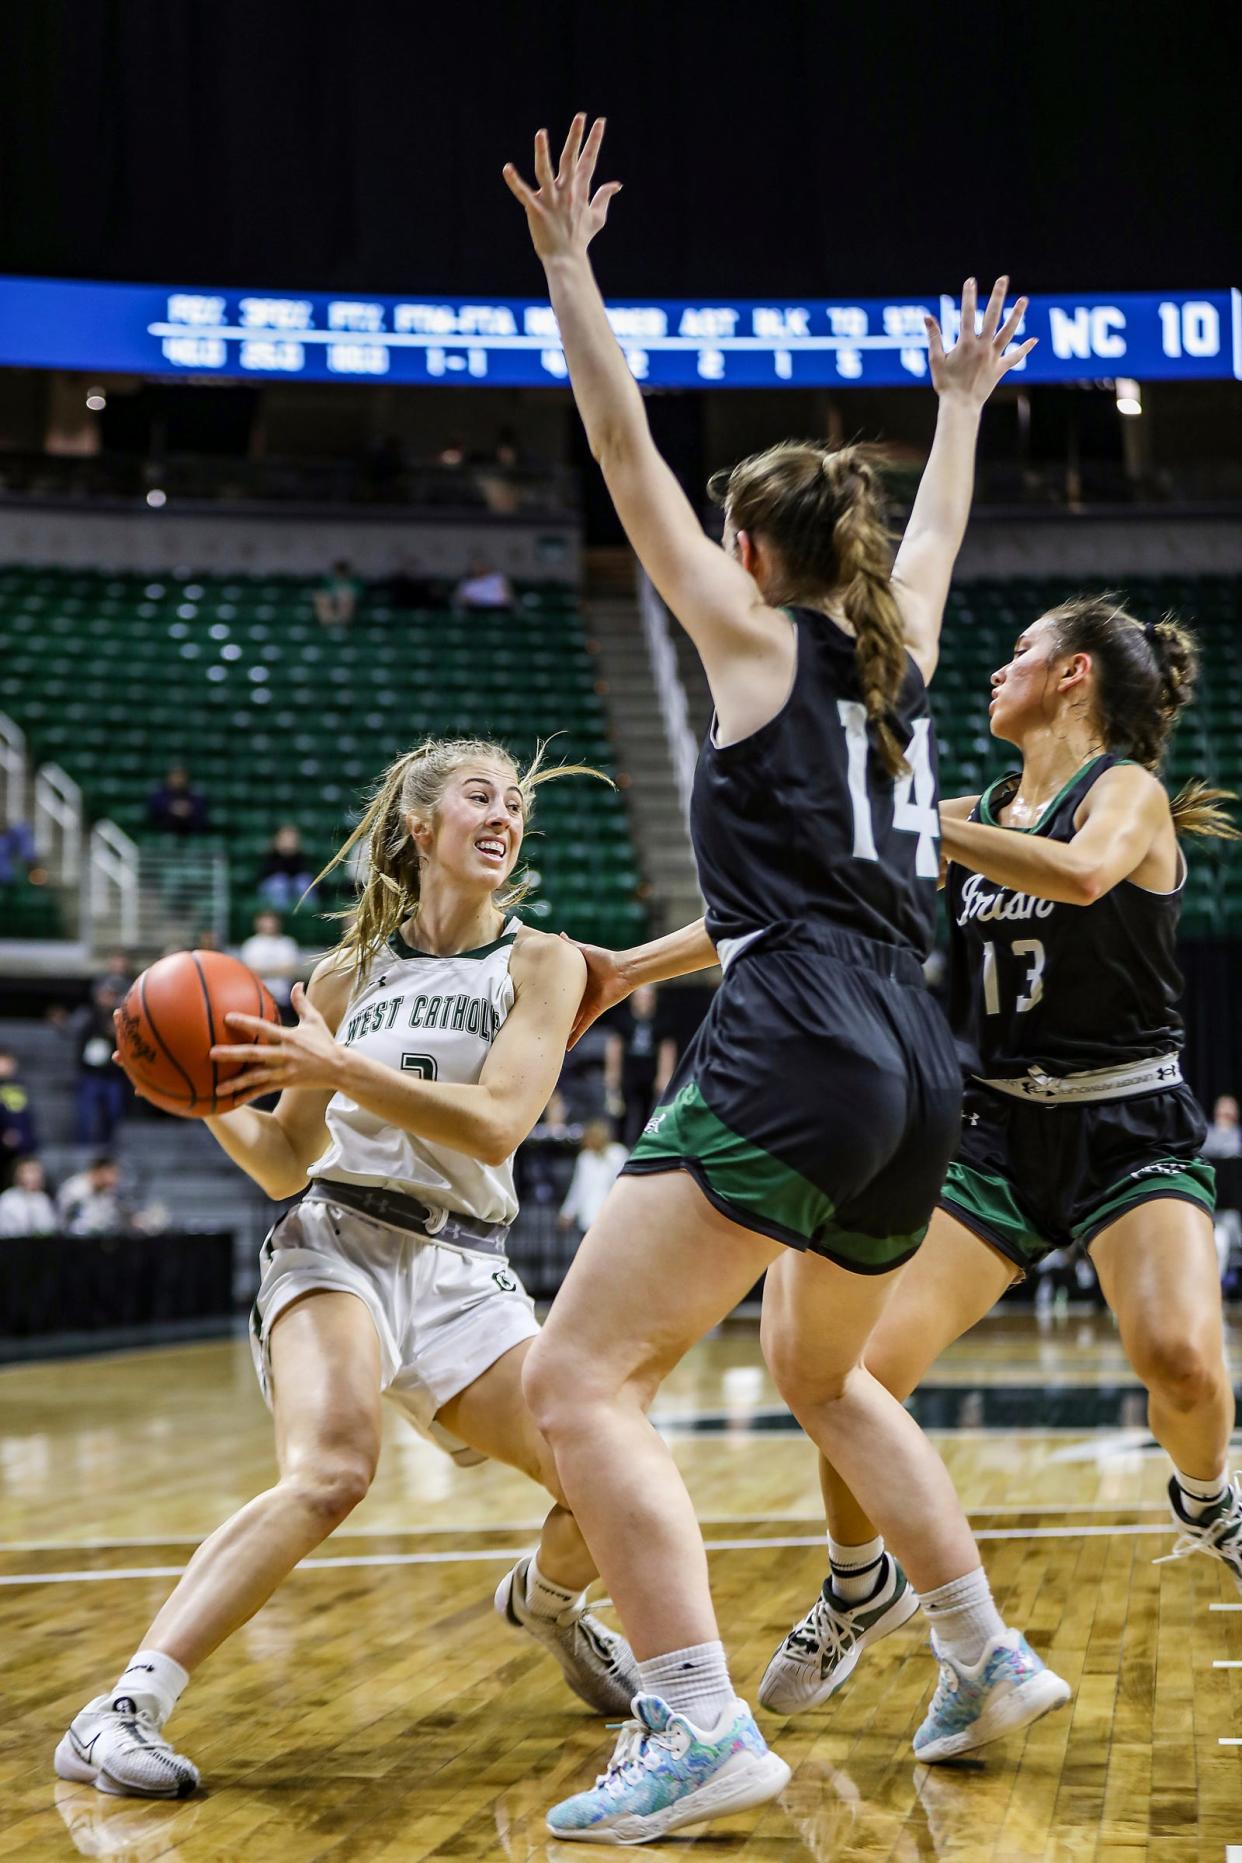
<point x="117" y="1747"/>
<point x="667" y="1773"/>
<point x="1008" y="1688"/>
<point x="822" y="1651"/>
<point x="1218" y="1533"/>
<point x="597" y="1662"/>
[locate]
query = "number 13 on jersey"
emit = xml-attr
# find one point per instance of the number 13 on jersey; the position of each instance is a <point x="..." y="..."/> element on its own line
<point x="914" y="794"/>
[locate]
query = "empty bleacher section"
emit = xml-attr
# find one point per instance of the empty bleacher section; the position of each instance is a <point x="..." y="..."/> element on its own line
<point x="116" y="676"/>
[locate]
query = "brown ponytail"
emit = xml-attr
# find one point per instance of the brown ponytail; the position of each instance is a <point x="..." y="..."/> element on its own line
<point x="414" y="783"/>
<point x="820" y="509"/>
<point x="1145" y="676"/>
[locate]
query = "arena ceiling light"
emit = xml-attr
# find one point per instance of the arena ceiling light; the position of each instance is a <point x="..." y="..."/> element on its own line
<point x="1129" y="395"/>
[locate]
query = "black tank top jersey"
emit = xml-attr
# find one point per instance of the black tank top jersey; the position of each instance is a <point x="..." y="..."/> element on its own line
<point x="801" y="824"/>
<point x="1064" y="988"/>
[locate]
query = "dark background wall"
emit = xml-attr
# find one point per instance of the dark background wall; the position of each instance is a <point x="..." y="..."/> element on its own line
<point x="781" y="147"/>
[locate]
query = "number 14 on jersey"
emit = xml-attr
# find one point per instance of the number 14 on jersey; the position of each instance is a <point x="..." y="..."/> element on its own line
<point x="914" y="794"/>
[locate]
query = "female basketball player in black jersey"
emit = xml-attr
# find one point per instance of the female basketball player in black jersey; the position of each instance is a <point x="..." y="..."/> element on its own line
<point x="809" y="1125"/>
<point x="1064" y="886"/>
<point x="1063" y="892"/>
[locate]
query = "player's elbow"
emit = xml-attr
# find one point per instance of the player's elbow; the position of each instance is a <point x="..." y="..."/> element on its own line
<point x="280" y="1185"/>
<point x="498" y="1139"/>
<point x="1090" y="883"/>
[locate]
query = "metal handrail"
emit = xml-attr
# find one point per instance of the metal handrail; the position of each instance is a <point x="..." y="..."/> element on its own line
<point x="58" y="823"/>
<point x="113" y="863"/>
<point x="674" y="709"/>
<point x="13" y="768"/>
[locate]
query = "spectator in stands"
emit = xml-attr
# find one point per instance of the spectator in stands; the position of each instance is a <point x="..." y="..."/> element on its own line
<point x="176" y="807"/>
<point x="18" y="1131"/>
<point x="17" y="848"/>
<point x="102" y="1092"/>
<point x="595" y="1171"/>
<point x="638" y="1063"/>
<point x="117" y="973"/>
<point x="25" y="1207"/>
<point x="274" y="956"/>
<point x="336" y="598"/>
<point x="90" y="1204"/>
<point x="1224" y="1135"/>
<point x="483" y="586"/>
<point x="285" y="871"/>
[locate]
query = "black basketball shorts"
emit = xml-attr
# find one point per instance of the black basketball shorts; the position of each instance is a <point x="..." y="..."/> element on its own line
<point x="819" y="1102"/>
<point x="1031" y="1177"/>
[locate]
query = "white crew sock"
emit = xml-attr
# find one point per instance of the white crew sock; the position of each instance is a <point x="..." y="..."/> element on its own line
<point x="1200" y="1497"/>
<point x="152" y="1681"/>
<point x="543" y="1598"/>
<point x="964" y="1617"/>
<point x="857" y="1571"/>
<point x="694" y="1682"/>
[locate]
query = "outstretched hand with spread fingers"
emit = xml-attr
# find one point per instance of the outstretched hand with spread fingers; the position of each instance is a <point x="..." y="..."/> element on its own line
<point x="980" y="357"/>
<point x="562" y="213"/>
<point x="306" y="1055"/>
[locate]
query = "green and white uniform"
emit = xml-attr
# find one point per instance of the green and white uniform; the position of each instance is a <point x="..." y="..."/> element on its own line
<point x="1068" y="1027"/>
<point x="415" y="1230"/>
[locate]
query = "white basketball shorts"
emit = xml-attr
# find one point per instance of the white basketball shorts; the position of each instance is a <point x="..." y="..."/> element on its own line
<point x="443" y="1314"/>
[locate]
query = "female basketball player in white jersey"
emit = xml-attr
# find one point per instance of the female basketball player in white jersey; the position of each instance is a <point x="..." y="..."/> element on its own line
<point x="810" y="1122"/>
<point x="427" y="1045"/>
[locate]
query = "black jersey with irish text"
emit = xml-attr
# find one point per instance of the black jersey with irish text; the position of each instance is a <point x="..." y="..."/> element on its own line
<point x="800" y="822"/>
<point x="1036" y="983"/>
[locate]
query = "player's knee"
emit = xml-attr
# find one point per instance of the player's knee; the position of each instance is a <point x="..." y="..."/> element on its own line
<point x="560" y="1388"/>
<point x="801" y="1375"/>
<point x="1177" y="1369"/>
<point x="545" y="1379"/>
<point x="331" y="1485"/>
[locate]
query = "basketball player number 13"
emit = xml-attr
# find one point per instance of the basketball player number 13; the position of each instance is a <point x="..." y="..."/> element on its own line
<point x="914" y="795"/>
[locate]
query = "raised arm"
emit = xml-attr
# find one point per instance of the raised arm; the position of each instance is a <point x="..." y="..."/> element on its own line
<point x="1117" y="829"/>
<point x="713" y="597"/>
<point x="487" y="1120"/>
<point x="963" y="378"/>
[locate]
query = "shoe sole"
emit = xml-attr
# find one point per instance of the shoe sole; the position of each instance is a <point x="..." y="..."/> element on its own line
<point x="1007" y="1715"/>
<point x="618" y="1703"/>
<point x="898" y="1613"/>
<point x="737" y="1787"/>
<point x="69" y="1765"/>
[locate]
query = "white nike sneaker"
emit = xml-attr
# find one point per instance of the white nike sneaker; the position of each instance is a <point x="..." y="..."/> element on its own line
<point x="822" y="1650"/>
<point x="117" y="1747"/>
<point x="598" y="1663"/>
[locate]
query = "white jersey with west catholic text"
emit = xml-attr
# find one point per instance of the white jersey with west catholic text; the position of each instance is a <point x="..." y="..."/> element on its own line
<point x="436" y="1018"/>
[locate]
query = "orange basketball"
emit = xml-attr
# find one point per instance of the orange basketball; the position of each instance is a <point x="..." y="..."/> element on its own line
<point x="174" y="1015"/>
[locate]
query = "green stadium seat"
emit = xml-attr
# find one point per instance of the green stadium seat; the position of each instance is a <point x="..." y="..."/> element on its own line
<point x="116" y="676"/>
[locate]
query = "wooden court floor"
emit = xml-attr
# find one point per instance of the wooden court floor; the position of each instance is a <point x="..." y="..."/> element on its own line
<point x="377" y="1709"/>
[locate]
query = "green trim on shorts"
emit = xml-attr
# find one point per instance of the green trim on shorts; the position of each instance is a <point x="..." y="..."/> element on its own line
<point x="1187" y="1180"/>
<point x="756" y="1189"/>
<point x="987" y="1205"/>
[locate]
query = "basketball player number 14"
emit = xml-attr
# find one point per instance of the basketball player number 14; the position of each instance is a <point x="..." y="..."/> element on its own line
<point x="914" y="795"/>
